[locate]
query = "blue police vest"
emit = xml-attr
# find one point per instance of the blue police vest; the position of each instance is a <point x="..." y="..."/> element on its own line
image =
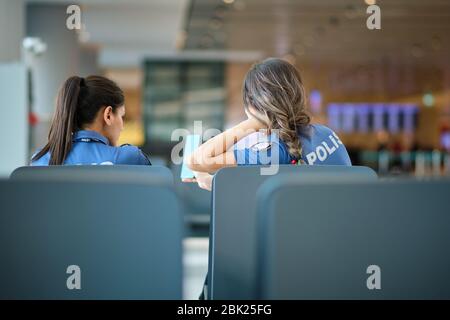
<point x="91" y="148"/>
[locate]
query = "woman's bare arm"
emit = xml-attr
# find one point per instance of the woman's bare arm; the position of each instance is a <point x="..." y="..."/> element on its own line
<point x="215" y="153"/>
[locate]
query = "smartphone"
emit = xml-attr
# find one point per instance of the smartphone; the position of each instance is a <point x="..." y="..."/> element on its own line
<point x="192" y="143"/>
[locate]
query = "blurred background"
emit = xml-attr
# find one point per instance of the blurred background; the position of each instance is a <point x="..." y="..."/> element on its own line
<point x="385" y="92"/>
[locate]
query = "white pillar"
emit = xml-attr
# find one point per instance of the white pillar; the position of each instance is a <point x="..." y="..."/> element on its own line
<point x="59" y="61"/>
<point x="13" y="88"/>
<point x="51" y="68"/>
<point x="12" y="29"/>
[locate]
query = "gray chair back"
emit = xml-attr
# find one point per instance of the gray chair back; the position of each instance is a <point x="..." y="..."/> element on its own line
<point x="355" y="240"/>
<point x="232" y="246"/>
<point x="125" y="238"/>
<point x="156" y="175"/>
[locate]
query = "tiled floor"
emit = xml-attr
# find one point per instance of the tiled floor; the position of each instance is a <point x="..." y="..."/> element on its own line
<point x="195" y="263"/>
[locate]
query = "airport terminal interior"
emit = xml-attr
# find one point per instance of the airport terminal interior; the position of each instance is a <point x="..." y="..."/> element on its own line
<point x="377" y="72"/>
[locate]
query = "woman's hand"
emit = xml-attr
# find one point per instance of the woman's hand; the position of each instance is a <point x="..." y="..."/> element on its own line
<point x="203" y="179"/>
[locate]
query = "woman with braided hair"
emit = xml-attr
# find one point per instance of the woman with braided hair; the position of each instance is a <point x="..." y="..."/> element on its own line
<point x="278" y="129"/>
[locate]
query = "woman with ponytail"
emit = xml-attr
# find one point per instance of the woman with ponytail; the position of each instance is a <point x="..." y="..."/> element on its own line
<point x="86" y="126"/>
<point x="277" y="131"/>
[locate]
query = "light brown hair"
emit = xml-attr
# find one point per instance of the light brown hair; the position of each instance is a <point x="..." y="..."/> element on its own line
<point x="274" y="88"/>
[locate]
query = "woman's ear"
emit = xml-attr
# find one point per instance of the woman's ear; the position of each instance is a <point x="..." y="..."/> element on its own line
<point x="107" y="115"/>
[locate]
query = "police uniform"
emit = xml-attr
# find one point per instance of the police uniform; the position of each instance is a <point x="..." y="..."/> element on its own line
<point x="91" y="148"/>
<point x="320" y="146"/>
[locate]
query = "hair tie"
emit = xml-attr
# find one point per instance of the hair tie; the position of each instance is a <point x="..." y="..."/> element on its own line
<point x="82" y="82"/>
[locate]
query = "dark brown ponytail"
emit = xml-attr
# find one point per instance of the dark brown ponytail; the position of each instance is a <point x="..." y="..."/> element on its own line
<point x="77" y="104"/>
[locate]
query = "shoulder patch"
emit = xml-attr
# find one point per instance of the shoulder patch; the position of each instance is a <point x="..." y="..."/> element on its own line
<point x="261" y="146"/>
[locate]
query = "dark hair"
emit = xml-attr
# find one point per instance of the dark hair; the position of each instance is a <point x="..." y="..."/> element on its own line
<point x="77" y="104"/>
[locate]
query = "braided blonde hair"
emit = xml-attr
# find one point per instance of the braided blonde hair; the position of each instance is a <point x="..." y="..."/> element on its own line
<point x="274" y="87"/>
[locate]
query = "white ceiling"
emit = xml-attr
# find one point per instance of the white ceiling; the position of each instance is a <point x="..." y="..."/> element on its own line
<point x="326" y="30"/>
<point x="129" y="25"/>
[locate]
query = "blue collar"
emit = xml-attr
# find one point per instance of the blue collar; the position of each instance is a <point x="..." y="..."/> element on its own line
<point x="88" y="136"/>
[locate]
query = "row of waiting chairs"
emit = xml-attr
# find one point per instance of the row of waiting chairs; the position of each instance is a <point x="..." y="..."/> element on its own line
<point x="233" y="241"/>
<point x="343" y="233"/>
<point x="121" y="226"/>
<point x="309" y="232"/>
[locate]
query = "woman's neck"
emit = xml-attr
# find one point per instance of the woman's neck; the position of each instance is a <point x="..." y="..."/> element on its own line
<point x="94" y="127"/>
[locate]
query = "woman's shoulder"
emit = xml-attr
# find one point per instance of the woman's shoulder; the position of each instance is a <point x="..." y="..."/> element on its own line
<point x="259" y="148"/>
<point x="315" y="133"/>
<point x="321" y="145"/>
<point x="129" y="154"/>
<point x="315" y="129"/>
<point x="250" y="139"/>
<point x="42" y="161"/>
